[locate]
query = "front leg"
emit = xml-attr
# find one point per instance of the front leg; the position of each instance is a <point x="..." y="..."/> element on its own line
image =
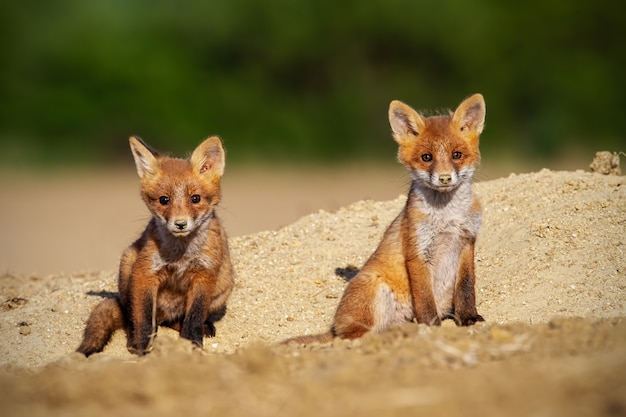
<point x="143" y="317"/>
<point x="195" y="324"/>
<point x="422" y="293"/>
<point x="464" y="294"/>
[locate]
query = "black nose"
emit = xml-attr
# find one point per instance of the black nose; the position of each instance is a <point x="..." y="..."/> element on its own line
<point x="181" y="224"/>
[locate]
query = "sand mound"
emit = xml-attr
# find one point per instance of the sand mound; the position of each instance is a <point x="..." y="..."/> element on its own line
<point x="551" y="247"/>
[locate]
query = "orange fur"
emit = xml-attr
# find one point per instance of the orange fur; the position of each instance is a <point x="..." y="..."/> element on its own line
<point x="178" y="273"/>
<point x="423" y="269"/>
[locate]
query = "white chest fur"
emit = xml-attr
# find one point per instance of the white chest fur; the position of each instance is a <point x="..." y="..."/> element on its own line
<point x="450" y="224"/>
<point x="179" y="254"/>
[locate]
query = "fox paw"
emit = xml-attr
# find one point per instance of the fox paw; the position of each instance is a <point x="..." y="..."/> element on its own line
<point x="140" y="349"/>
<point x="464" y="321"/>
<point x="469" y="321"/>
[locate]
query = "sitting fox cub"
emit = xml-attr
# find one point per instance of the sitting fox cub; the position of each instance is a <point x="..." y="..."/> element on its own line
<point x="424" y="267"/>
<point x="178" y="273"/>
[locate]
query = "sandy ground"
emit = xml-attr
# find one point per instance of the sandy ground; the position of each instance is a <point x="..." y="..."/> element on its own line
<point x="551" y="284"/>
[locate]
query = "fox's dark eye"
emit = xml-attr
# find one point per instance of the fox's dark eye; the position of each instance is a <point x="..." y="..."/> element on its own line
<point x="195" y="199"/>
<point x="456" y="155"/>
<point x="164" y="200"/>
<point x="427" y="157"/>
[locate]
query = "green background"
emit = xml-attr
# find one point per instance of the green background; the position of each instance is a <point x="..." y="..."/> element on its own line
<point x="302" y="80"/>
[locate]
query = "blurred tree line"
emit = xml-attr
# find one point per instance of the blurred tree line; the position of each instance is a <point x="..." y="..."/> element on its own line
<point x="301" y="79"/>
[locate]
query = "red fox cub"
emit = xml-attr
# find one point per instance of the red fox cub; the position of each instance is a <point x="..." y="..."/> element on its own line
<point x="178" y="273"/>
<point x="424" y="267"/>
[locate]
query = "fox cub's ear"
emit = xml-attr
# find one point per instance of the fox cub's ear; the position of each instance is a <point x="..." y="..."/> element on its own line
<point x="404" y="121"/>
<point x="209" y="157"/>
<point x="469" y="117"/>
<point x="145" y="157"/>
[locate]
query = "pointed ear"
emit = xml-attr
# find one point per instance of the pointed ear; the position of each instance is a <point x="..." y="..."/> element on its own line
<point x="145" y="157"/>
<point x="209" y="157"/>
<point x="469" y="117"/>
<point x="404" y="121"/>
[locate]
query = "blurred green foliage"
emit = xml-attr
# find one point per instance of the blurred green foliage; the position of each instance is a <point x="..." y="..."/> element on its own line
<point x="300" y="79"/>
